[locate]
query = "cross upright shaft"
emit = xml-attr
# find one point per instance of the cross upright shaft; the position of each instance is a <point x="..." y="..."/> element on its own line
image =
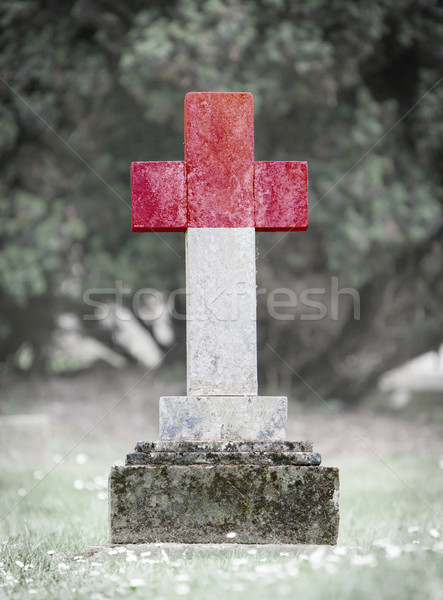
<point x="220" y="197"/>
<point x="221" y="312"/>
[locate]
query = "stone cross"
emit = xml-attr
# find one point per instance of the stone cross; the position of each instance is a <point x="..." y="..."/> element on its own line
<point x="220" y="196"/>
<point x="222" y="470"/>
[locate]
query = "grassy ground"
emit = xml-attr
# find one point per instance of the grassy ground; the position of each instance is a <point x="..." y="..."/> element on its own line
<point x="391" y="534"/>
<point x="44" y="534"/>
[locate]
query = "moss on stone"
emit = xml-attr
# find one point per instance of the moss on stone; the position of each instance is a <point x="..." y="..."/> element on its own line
<point x="197" y="503"/>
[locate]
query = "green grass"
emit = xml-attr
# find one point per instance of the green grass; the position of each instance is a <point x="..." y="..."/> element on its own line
<point x="54" y="523"/>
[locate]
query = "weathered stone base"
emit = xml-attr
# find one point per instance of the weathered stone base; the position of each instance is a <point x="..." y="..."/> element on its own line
<point x="223" y="417"/>
<point x="261" y="504"/>
<point x="167" y="452"/>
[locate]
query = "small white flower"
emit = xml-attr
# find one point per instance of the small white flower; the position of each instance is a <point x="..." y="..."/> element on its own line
<point x="333" y="558"/>
<point x="331" y="568"/>
<point x="100" y="481"/>
<point x="38" y="475"/>
<point x="81" y="459"/>
<point x="440" y="464"/>
<point x="145" y="554"/>
<point x="10" y="579"/>
<point x="79" y="484"/>
<point x="121" y="550"/>
<point x="241" y="560"/>
<point x="62" y="566"/>
<point x="392" y="552"/>
<point x="137" y="582"/>
<point x="50" y="552"/>
<point x="367" y="560"/>
<point x="434" y="533"/>
<point x="252" y="551"/>
<point x="112" y="551"/>
<point x="131" y="558"/>
<point x="19" y="564"/>
<point x="182" y="577"/>
<point x="231" y="535"/>
<point x="102" y="495"/>
<point x="21" y="492"/>
<point x="57" y="458"/>
<point x="182" y="589"/>
<point x="317" y="557"/>
<point x="164" y="555"/>
<point x="261" y="569"/>
<point x="31" y="591"/>
<point x="413" y="528"/>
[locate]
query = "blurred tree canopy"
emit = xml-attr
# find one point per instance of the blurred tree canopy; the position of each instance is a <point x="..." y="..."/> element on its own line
<point x="87" y="87"/>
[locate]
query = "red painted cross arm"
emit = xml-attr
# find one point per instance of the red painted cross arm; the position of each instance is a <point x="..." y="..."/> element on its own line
<point x="219" y="184"/>
<point x="281" y="196"/>
<point x="158" y="191"/>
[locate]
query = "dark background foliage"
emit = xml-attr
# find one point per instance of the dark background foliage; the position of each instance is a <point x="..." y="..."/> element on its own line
<point x="351" y="87"/>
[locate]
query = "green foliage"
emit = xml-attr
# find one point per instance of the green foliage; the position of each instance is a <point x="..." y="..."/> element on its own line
<point x="37" y="238"/>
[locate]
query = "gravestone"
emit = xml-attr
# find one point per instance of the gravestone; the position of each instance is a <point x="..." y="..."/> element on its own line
<point x="222" y="464"/>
